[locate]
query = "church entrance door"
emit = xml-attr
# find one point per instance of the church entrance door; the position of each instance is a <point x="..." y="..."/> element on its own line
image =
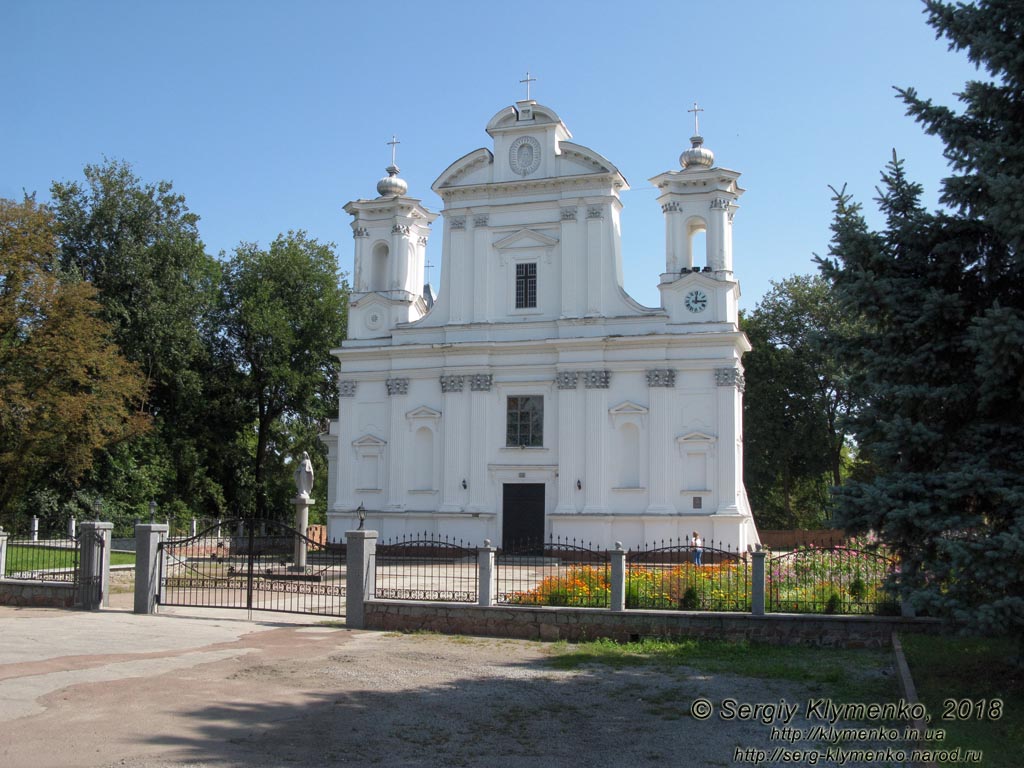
<point x="522" y="513"/>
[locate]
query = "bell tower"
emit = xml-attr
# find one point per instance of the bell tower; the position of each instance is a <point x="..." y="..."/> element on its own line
<point x="699" y="198"/>
<point x="390" y="235"/>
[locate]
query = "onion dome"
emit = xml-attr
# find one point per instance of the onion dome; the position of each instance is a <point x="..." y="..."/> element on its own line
<point x="391" y="185"/>
<point x="697" y="156"/>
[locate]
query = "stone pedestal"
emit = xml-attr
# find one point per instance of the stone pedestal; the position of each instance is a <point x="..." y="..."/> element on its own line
<point x="618" y="585"/>
<point x="302" y="505"/>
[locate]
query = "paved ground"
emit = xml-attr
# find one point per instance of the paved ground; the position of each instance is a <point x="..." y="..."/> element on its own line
<point x="211" y="688"/>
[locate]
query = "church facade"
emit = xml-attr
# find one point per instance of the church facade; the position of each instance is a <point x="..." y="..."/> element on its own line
<point x="534" y="397"/>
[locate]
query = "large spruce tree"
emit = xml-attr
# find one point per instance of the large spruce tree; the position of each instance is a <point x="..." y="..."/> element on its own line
<point x="940" y="352"/>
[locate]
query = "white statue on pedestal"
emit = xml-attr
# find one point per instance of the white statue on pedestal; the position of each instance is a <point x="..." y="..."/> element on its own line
<point x="304" y="476"/>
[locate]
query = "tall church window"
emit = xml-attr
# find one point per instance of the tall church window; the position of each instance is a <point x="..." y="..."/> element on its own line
<point x="526" y="285"/>
<point x="525" y="422"/>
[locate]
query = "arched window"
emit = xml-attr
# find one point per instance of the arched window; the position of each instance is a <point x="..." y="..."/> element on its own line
<point x="629" y="456"/>
<point x="379" y="270"/>
<point x="696" y="243"/>
<point x="423" y="460"/>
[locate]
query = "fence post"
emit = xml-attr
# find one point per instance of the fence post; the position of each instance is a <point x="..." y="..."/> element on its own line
<point x="361" y="556"/>
<point x="487" y="582"/>
<point x="3" y="552"/>
<point x="618" y="558"/>
<point x="147" y="565"/>
<point x="35" y="528"/>
<point x="71" y="526"/>
<point x="757" y="582"/>
<point x="94" y="564"/>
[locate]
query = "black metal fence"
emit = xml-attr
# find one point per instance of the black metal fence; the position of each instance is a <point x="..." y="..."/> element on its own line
<point x="679" y="575"/>
<point x="834" y="579"/>
<point x="46" y="558"/>
<point x="255" y="565"/>
<point x="426" y="567"/>
<point x="554" y="572"/>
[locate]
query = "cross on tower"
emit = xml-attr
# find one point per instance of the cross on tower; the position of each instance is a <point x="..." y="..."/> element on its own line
<point x="428" y="267"/>
<point x="528" y="80"/>
<point x="696" y="118"/>
<point x="393" y="143"/>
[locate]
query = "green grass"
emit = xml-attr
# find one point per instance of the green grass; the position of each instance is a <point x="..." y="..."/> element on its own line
<point x="32" y="558"/>
<point x="958" y="668"/>
<point x="850" y="675"/>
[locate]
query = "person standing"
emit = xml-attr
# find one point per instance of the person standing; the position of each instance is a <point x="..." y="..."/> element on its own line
<point x="696" y="549"/>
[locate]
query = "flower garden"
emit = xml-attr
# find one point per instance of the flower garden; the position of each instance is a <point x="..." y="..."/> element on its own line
<point x="834" y="580"/>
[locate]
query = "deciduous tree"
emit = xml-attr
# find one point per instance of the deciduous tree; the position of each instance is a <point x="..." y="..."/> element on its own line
<point x="281" y="312"/>
<point x="66" y="391"/>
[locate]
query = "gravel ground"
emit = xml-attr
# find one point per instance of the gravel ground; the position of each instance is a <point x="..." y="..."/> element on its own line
<point x="218" y="691"/>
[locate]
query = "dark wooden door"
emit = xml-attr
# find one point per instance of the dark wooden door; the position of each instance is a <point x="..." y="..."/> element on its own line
<point x="522" y="513"/>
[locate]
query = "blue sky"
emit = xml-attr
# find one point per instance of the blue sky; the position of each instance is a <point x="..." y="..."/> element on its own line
<point x="270" y="116"/>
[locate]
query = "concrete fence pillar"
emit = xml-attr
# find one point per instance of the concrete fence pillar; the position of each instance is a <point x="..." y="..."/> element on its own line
<point x="94" y="564"/>
<point x="35" y="528"/>
<point x="618" y="560"/>
<point x="757" y="583"/>
<point x="71" y="526"/>
<point x="361" y="558"/>
<point x="147" y="565"/>
<point x="487" y="588"/>
<point x="3" y="552"/>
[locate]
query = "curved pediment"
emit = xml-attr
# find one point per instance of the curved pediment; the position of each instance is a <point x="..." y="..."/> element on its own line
<point x="509" y="117"/>
<point x="593" y="161"/>
<point x="464" y="170"/>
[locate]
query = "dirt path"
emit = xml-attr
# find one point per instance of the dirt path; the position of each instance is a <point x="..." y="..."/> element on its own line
<point x="148" y="692"/>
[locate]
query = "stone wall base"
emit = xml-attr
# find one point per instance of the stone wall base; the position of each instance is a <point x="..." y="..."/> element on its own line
<point x="577" y="624"/>
<point x="38" y="594"/>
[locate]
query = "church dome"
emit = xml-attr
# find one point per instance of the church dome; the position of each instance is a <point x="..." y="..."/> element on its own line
<point x="697" y="156"/>
<point x="391" y="185"/>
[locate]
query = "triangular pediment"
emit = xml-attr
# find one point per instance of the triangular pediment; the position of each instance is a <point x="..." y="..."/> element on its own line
<point x="689" y="279"/>
<point x="526" y="238"/>
<point x="369" y="441"/>
<point x="423" y="412"/>
<point x="628" y="409"/>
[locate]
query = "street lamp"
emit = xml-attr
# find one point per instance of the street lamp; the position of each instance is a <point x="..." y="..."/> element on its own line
<point x="152" y="512"/>
<point x="361" y="511"/>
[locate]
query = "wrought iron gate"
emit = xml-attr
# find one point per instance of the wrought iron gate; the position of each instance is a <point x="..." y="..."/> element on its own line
<point x="258" y="565"/>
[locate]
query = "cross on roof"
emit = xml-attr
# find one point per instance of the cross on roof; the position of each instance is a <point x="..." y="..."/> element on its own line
<point x="528" y="80"/>
<point x="393" y="143"/>
<point x="428" y="266"/>
<point x="696" y="118"/>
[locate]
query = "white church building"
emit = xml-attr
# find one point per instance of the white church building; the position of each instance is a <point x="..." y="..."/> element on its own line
<point x="534" y="397"/>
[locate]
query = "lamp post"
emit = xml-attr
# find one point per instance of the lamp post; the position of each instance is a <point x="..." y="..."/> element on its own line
<point x="361" y="511"/>
<point x="152" y="512"/>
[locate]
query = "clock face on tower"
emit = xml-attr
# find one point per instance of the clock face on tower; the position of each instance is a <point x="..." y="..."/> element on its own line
<point x="696" y="301"/>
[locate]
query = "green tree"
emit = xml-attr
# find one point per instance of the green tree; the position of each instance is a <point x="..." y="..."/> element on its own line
<point x="66" y="392"/>
<point x="940" y="354"/>
<point x="138" y="243"/>
<point x="795" y="441"/>
<point x="281" y="312"/>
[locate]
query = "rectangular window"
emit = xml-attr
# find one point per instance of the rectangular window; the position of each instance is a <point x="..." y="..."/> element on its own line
<point x="525" y="424"/>
<point x="526" y="286"/>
